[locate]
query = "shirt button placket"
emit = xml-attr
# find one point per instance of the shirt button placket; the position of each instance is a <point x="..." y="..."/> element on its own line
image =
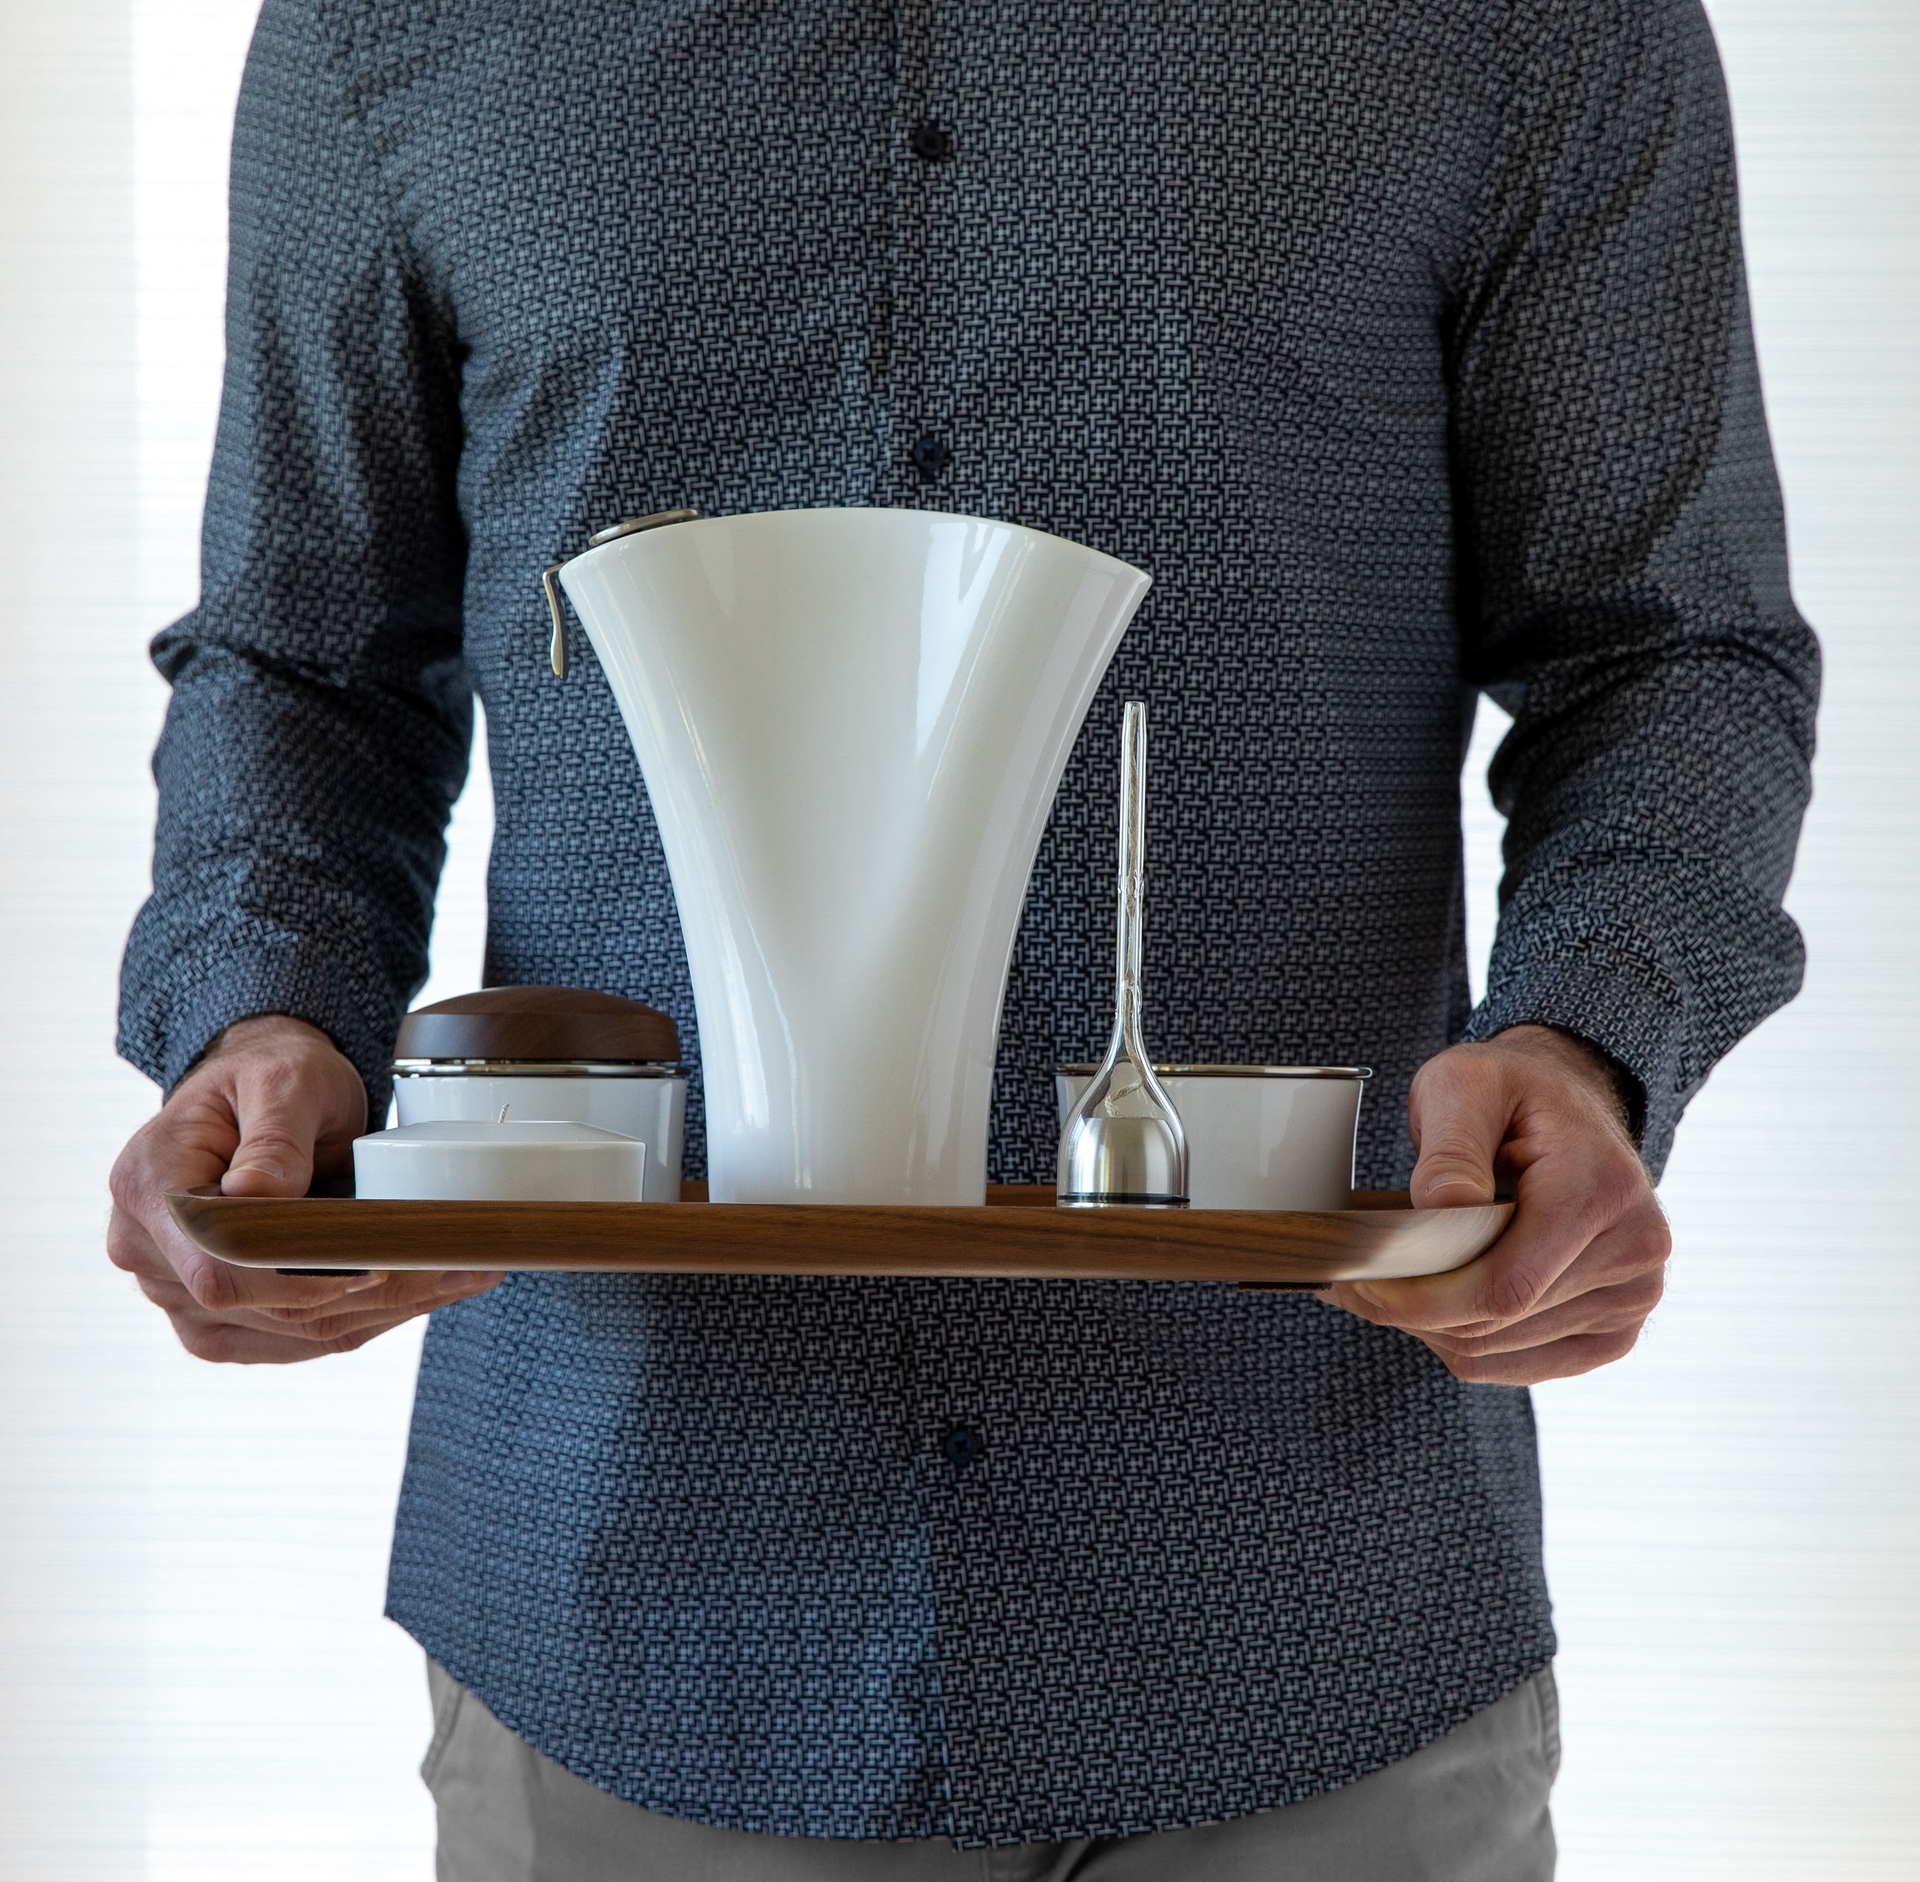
<point x="929" y="144"/>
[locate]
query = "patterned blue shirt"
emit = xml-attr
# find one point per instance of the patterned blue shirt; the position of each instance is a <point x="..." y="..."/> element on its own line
<point x="1407" y="347"/>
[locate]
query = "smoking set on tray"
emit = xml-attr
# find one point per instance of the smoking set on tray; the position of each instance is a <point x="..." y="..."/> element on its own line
<point x="851" y="725"/>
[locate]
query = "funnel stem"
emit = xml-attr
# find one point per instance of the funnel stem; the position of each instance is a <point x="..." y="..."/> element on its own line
<point x="1132" y="922"/>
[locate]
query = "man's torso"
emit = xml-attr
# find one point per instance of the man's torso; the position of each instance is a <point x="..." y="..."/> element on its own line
<point x="1182" y="292"/>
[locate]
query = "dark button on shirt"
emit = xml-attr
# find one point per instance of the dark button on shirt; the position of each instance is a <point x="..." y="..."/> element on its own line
<point x="931" y="455"/>
<point x="963" y="1445"/>
<point x="1406" y="347"/>
<point x="931" y="141"/>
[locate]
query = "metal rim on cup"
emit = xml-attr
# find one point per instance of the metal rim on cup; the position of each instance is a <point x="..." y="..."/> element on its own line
<point x="536" y="1068"/>
<point x="1352" y="1073"/>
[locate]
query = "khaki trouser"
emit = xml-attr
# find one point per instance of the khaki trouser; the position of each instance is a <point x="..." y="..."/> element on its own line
<point x="1470" y="1807"/>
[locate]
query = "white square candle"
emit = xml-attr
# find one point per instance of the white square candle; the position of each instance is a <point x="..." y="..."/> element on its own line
<point x="472" y="1160"/>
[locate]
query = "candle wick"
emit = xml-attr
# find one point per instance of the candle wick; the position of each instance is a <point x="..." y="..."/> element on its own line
<point x="502" y="1118"/>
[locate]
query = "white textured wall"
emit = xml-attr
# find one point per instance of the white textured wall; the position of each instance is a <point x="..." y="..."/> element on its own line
<point x="194" y="1681"/>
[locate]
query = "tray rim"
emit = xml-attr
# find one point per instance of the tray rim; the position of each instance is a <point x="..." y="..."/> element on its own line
<point x="1017" y="1234"/>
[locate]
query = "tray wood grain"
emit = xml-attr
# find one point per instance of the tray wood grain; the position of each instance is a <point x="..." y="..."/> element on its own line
<point x="1018" y="1234"/>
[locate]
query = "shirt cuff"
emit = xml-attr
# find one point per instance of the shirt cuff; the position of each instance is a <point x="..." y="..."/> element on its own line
<point x="202" y="1000"/>
<point x="1636" y="1019"/>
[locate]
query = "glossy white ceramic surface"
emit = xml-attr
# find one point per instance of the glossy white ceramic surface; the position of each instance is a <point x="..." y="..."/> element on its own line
<point x="651" y="1109"/>
<point x="471" y="1161"/>
<point x="851" y="724"/>
<point x="1264" y="1141"/>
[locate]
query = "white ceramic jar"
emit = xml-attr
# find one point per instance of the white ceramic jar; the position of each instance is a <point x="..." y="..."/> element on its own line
<point x="549" y="1054"/>
<point x="1258" y="1136"/>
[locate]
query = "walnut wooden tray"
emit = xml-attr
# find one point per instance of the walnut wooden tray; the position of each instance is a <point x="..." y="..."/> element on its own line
<point x="1018" y="1233"/>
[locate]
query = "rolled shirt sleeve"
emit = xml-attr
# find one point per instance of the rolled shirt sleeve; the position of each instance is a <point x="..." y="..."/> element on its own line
<point x="321" y="711"/>
<point x="1624" y="586"/>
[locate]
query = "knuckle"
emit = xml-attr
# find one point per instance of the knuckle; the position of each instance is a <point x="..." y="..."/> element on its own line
<point x="1457" y="1066"/>
<point x="1655" y="1242"/>
<point x="317" y="1325"/>
<point x="275" y="1074"/>
<point x="1624" y="1186"/>
<point x="1449" y="1080"/>
<point x="280" y="1085"/>
<point x="1358" y="1302"/>
<point x="295" y="1313"/>
<point x="124" y="1183"/>
<point x="1590" y="1213"/>
<point x="132" y="1182"/>
<point x="1642" y="1246"/>
<point x="315" y="1319"/>
<point x="1452" y="1154"/>
<point x="164" y="1291"/>
<point x="1617" y="1345"/>
<point x="1595" y="1350"/>
<point x="352" y="1342"/>
<point x="212" y="1286"/>
<point x="1621" y="1176"/>
<point x="125" y="1245"/>
<point x="274" y="1137"/>
<point x="1512" y="1290"/>
<point x="1469" y="1368"/>
<point x="209" y="1340"/>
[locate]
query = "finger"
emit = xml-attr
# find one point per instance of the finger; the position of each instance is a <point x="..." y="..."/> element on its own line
<point x="189" y="1143"/>
<point x="1565" y="1203"/>
<point x="393" y="1300"/>
<point x="134" y="1249"/>
<point x="237" y="1340"/>
<point x="230" y="1342"/>
<point x="1632" y="1253"/>
<point x="1458" y="1112"/>
<point x="1632" y="1250"/>
<point x="405" y="1295"/>
<point x="1611" y="1309"/>
<point x="1559" y="1359"/>
<point x="143" y="1238"/>
<point x="185" y="1147"/>
<point x="281" y="1113"/>
<point x="216" y="1285"/>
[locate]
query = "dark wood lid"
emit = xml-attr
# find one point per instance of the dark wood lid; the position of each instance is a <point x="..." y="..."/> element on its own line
<point x="542" y="1023"/>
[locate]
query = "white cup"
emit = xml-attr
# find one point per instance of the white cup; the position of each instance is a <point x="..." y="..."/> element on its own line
<point x="475" y="1161"/>
<point x="1258" y="1136"/>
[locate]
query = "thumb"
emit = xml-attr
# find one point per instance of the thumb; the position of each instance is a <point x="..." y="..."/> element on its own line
<point x="279" y="1118"/>
<point x="1458" y="1111"/>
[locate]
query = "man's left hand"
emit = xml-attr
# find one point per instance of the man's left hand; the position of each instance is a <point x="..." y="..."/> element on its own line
<point x="1581" y="1265"/>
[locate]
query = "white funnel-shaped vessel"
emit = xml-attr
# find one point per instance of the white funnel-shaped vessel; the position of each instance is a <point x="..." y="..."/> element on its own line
<point x="851" y="724"/>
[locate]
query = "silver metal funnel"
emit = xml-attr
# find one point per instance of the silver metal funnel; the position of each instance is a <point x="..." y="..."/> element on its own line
<point x="1123" y="1144"/>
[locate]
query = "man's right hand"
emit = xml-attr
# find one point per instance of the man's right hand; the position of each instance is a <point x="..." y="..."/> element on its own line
<point x="273" y="1103"/>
